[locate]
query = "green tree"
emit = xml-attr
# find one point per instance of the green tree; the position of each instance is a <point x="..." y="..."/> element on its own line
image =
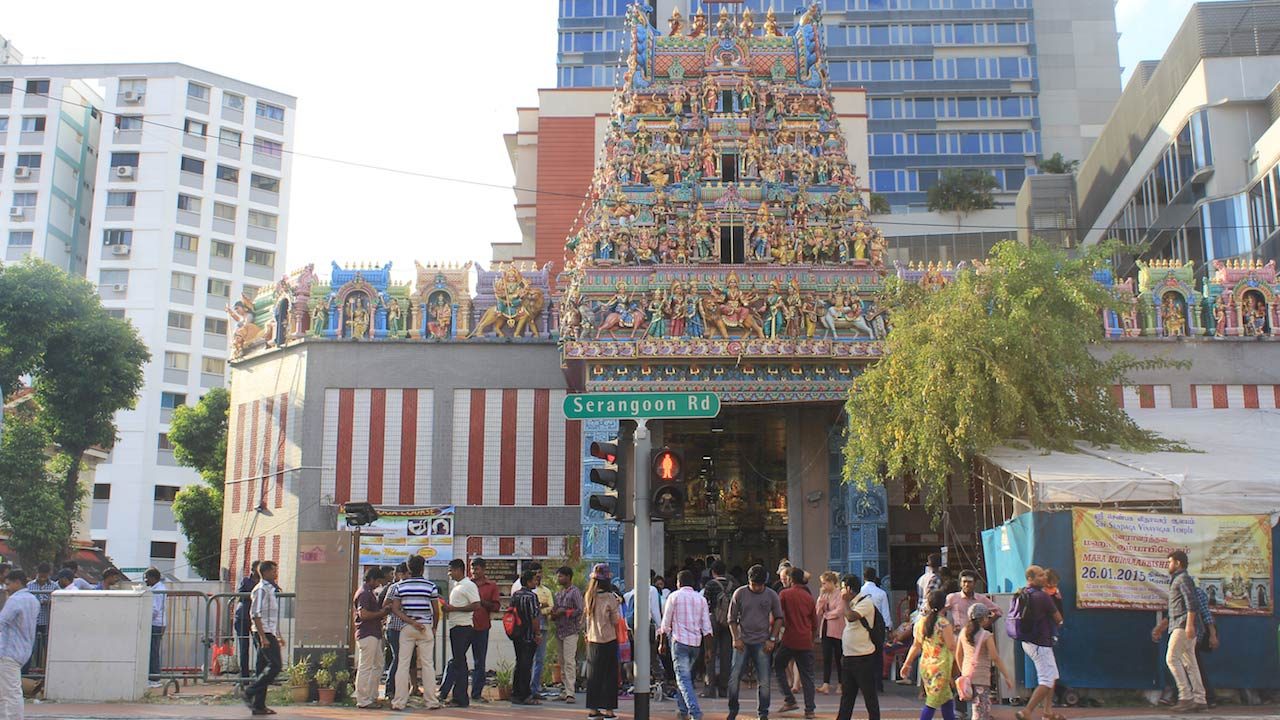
<point x="199" y="437"/>
<point x="1057" y="165"/>
<point x="998" y="355"/>
<point x="962" y="192"/>
<point x="30" y="497"/>
<point x="879" y="204"/>
<point x="84" y="365"/>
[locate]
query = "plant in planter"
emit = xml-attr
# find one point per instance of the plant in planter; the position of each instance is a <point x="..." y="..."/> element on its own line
<point x="503" y="677"/>
<point x="341" y="683"/>
<point x="324" y="679"/>
<point x="299" y="681"/>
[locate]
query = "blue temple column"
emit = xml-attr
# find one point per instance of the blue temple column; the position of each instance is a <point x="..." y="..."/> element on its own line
<point x="859" y="521"/>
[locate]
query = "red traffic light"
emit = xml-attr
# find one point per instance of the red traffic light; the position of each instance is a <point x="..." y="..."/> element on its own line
<point x="606" y="451"/>
<point x="668" y="466"/>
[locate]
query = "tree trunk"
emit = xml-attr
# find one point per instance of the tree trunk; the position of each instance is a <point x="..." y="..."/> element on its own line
<point x="70" y="500"/>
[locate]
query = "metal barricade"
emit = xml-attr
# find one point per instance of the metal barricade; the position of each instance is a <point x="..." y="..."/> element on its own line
<point x="35" y="666"/>
<point x="177" y="651"/>
<point x="230" y="652"/>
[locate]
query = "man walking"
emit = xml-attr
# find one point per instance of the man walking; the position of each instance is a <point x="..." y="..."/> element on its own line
<point x="415" y="605"/>
<point x="264" y="610"/>
<point x="718" y="592"/>
<point x="42" y="587"/>
<point x="755" y="616"/>
<point x="1040" y="618"/>
<point x="368" y="619"/>
<point x="859" y="668"/>
<point x="243" y="626"/>
<point x="481" y="622"/>
<point x="800" y="633"/>
<point x="957" y="608"/>
<point x="459" y="609"/>
<point x="17" y="638"/>
<point x="525" y="639"/>
<point x="153" y="580"/>
<point x="686" y="621"/>
<point x="567" y="615"/>
<point x="1185" y="625"/>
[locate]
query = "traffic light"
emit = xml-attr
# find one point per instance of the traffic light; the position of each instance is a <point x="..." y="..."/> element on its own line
<point x="611" y="476"/>
<point x="666" y="470"/>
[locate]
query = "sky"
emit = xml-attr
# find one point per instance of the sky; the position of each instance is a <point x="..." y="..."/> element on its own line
<point x="425" y="86"/>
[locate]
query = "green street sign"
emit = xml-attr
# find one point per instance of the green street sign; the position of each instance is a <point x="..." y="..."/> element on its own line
<point x="647" y="406"/>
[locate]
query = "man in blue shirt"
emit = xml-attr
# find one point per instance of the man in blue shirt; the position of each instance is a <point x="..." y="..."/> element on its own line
<point x="17" y="637"/>
<point x="1040" y="619"/>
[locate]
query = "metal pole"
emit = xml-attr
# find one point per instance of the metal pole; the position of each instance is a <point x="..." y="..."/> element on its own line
<point x="640" y="565"/>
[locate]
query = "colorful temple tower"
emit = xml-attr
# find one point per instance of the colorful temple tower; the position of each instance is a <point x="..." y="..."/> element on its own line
<point x="725" y="246"/>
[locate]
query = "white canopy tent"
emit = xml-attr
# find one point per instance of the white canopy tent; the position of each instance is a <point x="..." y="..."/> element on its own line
<point x="1233" y="469"/>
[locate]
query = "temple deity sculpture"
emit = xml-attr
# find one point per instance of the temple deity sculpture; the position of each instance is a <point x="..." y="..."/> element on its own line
<point x="748" y="25"/>
<point x="774" y="311"/>
<point x="656" y="314"/>
<point x="1175" y="323"/>
<point x="395" y="319"/>
<point x="319" y="318"/>
<point x="699" y="27"/>
<point x="771" y="28"/>
<point x="676" y="23"/>
<point x="440" y="318"/>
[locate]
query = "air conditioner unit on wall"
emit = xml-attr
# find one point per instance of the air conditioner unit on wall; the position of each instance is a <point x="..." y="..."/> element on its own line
<point x="17" y="212"/>
<point x="22" y="171"/>
<point x="120" y="287"/>
<point x="120" y="249"/>
<point x="124" y="171"/>
<point x="132" y="96"/>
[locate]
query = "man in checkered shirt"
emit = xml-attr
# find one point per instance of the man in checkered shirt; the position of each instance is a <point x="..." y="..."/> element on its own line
<point x="686" y="622"/>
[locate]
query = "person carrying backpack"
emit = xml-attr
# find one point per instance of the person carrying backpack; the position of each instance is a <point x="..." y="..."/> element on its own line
<point x="718" y="591"/>
<point x="1033" y="621"/>
<point x="863" y="634"/>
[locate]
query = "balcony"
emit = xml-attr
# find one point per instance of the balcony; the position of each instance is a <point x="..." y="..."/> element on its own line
<point x="231" y="114"/>
<point x="33" y="100"/>
<point x="119" y="212"/>
<point x="34" y="137"/>
<point x="186" y="217"/>
<point x="127" y="137"/>
<point x="224" y="226"/>
<point x="229" y="150"/>
<point x="179" y="336"/>
<point x="214" y="341"/>
<point x="264" y="197"/>
<point x="182" y="297"/>
<point x="191" y="180"/>
<point x="261" y="234"/>
<point x="195" y="104"/>
<point x="195" y="142"/>
<point x="268" y="161"/>
<point x="177" y="377"/>
<point x="226" y="187"/>
<point x="185" y="257"/>
<point x="272" y="126"/>
<point x="32" y="174"/>
<point x="216" y="302"/>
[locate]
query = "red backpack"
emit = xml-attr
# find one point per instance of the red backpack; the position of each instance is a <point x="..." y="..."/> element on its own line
<point x="511" y="621"/>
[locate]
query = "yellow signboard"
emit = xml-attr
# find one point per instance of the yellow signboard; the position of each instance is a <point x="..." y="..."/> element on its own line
<point x="1122" y="559"/>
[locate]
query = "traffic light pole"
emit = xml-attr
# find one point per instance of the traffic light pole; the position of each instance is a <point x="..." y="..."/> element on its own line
<point x="640" y="566"/>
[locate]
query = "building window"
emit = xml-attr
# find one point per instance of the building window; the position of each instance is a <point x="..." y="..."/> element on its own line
<point x="196" y="127"/>
<point x="137" y="86"/>
<point x="179" y="320"/>
<point x="37" y="87"/>
<point x="128" y="122"/>
<point x="232" y="101"/>
<point x="213" y="366"/>
<point x="270" y="112"/>
<point x="182" y="281"/>
<point x="21" y="238"/>
<point x="101" y="491"/>
<point x="251" y="290"/>
<point x="192" y="165"/>
<point x="221" y="288"/>
<point x="117" y="237"/>
<point x="109" y="278"/>
<point x="198" y="91"/>
<point x="117" y="313"/>
<point x="263" y="220"/>
<point x="24" y="199"/>
<point x="33" y="124"/>
<point x="259" y="257"/>
<point x="190" y="203"/>
<point x="4" y="124"/>
<point x="121" y="198"/>
<point x="221" y="249"/>
<point x="124" y="159"/>
<point x="164" y="550"/>
<point x="229" y="137"/>
<point x="229" y="174"/>
<point x="6" y="87"/>
<point x="264" y="182"/>
<point x="176" y="361"/>
<point x="166" y="493"/>
<point x="223" y="211"/>
<point x="183" y="241"/>
<point x="732" y="244"/>
<point x="29" y="160"/>
<point x="215" y="326"/>
<point x="270" y="148"/>
<point x="171" y="400"/>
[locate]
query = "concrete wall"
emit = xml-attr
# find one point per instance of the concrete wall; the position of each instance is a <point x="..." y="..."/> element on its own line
<point x="1212" y="362"/>
<point x="1079" y="64"/>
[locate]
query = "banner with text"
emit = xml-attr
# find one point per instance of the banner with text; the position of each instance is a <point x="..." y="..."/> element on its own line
<point x="1122" y="559"/>
<point x="397" y="534"/>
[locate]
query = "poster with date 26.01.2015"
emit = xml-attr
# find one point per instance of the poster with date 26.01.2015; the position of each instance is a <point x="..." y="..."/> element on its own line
<point x="399" y="533"/>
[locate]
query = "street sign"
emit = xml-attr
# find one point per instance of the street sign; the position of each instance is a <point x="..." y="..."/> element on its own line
<point x="641" y="406"/>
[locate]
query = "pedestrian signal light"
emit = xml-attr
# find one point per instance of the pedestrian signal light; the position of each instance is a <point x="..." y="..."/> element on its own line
<point x="666" y="468"/>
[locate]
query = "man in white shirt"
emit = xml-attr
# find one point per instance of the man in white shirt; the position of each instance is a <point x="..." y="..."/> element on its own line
<point x="859" y="667"/>
<point x="871" y="588"/>
<point x="922" y="585"/>
<point x="464" y="598"/>
<point x="153" y="580"/>
<point x="264" y="609"/>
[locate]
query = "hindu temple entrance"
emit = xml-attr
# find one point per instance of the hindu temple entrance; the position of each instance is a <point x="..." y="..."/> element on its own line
<point x="737" y="507"/>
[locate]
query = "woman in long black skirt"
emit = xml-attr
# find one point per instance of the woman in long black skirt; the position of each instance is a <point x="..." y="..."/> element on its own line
<point x="602" y="643"/>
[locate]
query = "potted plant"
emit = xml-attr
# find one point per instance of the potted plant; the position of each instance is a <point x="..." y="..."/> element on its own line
<point x="299" y="681"/>
<point x="325" y="691"/>
<point x="503" y="676"/>
<point x="341" y="683"/>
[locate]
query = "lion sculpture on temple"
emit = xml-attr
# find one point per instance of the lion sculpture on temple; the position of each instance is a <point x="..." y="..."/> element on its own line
<point x="519" y="316"/>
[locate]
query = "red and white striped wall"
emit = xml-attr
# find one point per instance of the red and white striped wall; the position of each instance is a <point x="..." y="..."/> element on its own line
<point x="491" y="546"/>
<point x="259" y="435"/>
<point x="377" y="446"/>
<point x="542" y="461"/>
<point x="1221" y="397"/>
<point x="242" y="553"/>
<point x="1146" y="397"/>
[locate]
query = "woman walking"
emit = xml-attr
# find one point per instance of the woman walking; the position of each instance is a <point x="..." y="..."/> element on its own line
<point x="602" y="643"/>
<point x="935" y="643"/>
<point x="831" y="610"/>
<point x="974" y="654"/>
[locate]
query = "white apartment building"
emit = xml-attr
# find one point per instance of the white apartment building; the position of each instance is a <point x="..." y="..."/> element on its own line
<point x="189" y="212"/>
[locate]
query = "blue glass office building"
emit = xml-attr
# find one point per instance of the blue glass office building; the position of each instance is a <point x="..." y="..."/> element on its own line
<point x="950" y="83"/>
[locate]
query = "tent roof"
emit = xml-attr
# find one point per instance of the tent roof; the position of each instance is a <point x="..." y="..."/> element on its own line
<point x="1232" y="471"/>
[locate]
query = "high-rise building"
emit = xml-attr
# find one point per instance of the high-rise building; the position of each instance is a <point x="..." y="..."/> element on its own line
<point x="8" y="53"/>
<point x="189" y="185"/>
<point x="992" y="85"/>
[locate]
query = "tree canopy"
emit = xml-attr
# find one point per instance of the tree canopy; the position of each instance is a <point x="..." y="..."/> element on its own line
<point x="84" y="366"/>
<point x="198" y="434"/>
<point x="1057" y="165"/>
<point x="999" y="354"/>
<point x="962" y="192"/>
